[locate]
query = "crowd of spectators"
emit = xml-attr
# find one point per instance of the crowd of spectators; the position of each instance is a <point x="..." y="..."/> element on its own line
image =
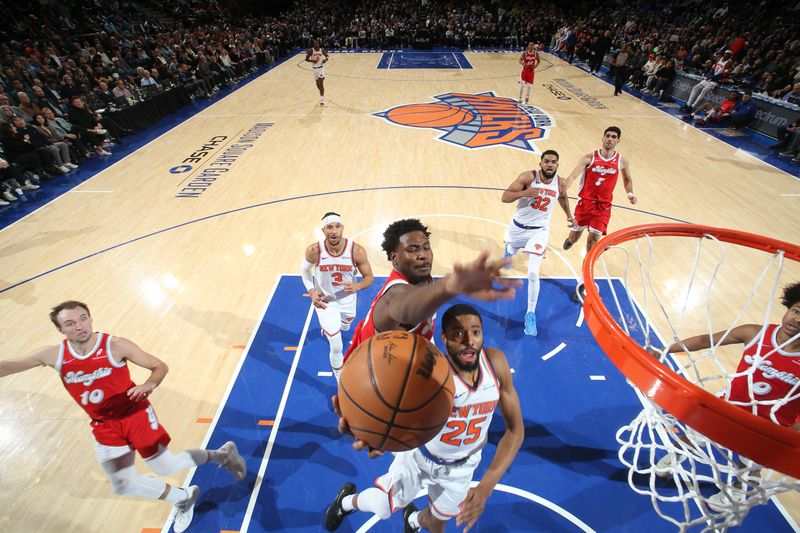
<point x="62" y="64"/>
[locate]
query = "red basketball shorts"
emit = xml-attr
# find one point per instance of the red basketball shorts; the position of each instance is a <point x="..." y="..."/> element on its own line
<point x="593" y="215"/>
<point x="527" y="76"/>
<point x="140" y="430"/>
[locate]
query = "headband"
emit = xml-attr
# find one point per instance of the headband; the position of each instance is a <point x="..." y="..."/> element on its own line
<point x="330" y="219"/>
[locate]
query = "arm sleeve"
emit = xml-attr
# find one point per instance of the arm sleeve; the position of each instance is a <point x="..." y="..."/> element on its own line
<point x="305" y="274"/>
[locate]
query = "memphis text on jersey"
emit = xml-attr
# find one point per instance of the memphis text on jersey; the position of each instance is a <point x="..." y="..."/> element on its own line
<point x="87" y="379"/>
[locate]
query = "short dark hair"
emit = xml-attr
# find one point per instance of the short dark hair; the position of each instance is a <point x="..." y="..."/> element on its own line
<point x="615" y="129"/>
<point x="550" y="152"/>
<point x="791" y="295"/>
<point x="69" y="304"/>
<point x="456" y="311"/>
<point x="391" y="237"/>
<point x="330" y="213"/>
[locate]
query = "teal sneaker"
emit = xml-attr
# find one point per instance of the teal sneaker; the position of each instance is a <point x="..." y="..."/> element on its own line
<point x="530" y="324"/>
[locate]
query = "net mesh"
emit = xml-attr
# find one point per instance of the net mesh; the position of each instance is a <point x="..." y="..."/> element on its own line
<point x="661" y="290"/>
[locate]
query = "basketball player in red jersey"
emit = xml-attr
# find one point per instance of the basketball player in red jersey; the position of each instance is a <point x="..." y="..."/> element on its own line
<point x="410" y="297"/>
<point x="446" y="464"/>
<point x="93" y="368"/>
<point x="318" y="56"/>
<point x="529" y="61"/>
<point x="599" y="172"/>
<point x="774" y="349"/>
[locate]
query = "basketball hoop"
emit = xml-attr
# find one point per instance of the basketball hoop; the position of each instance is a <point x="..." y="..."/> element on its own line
<point x="687" y="431"/>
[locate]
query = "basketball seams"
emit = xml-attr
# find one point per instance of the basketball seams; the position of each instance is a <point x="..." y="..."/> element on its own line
<point x="409" y="366"/>
<point x="432" y="397"/>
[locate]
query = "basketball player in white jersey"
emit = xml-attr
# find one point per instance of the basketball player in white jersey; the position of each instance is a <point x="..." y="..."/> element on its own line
<point x="93" y="368"/>
<point x="535" y="192"/>
<point x="318" y="56"/>
<point x="445" y="465"/>
<point x="332" y="286"/>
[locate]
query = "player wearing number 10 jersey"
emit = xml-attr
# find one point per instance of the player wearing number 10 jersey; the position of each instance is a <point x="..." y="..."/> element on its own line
<point x="93" y="368"/>
<point x="535" y="192"/>
<point x="445" y="465"/>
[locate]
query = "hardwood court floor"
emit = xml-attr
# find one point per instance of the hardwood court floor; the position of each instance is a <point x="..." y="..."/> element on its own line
<point x="186" y="277"/>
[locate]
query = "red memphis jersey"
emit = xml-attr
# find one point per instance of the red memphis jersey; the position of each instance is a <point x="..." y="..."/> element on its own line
<point x="529" y="60"/>
<point x="773" y="378"/>
<point x="97" y="382"/>
<point x="600" y="178"/>
<point x="366" y="328"/>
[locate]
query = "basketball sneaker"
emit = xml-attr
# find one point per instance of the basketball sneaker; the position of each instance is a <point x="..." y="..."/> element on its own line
<point x="567" y="244"/>
<point x="506" y="254"/>
<point x="233" y="462"/>
<point x="720" y="503"/>
<point x="335" y="514"/>
<point x="184" y="511"/>
<point x="530" y="324"/>
<point x="666" y="465"/>
<point x="407" y="512"/>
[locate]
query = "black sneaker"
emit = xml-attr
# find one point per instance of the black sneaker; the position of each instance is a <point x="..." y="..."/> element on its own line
<point x="568" y="244"/>
<point x="407" y="512"/>
<point x="335" y="514"/>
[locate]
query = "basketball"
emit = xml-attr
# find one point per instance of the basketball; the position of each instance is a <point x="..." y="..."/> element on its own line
<point x="396" y="391"/>
<point x="429" y="115"/>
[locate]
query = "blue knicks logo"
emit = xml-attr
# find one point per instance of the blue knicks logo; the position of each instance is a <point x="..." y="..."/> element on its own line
<point x="476" y="120"/>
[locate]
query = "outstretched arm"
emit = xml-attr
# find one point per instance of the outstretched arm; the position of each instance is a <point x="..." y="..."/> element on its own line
<point x="738" y="335"/>
<point x="40" y="357"/>
<point x="584" y="162"/>
<point x="124" y="349"/>
<point x="472" y="506"/>
<point x="412" y="304"/>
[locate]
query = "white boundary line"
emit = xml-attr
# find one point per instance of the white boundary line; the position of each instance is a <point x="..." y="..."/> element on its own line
<point x="547" y="504"/>
<point x="554" y="351"/>
<point x="274" y="433"/>
<point x="223" y="402"/>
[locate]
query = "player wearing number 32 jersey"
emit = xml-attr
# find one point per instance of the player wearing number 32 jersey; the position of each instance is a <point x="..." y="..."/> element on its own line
<point x="93" y="368"/>
<point x="535" y="192"/>
<point x="445" y="465"/>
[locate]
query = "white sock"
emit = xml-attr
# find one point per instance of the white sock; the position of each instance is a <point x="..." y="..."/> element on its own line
<point x="335" y="355"/>
<point x="534" y="264"/>
<point x="527" y="92"/>
<point x="413" y="520"/>
<point x="347" y="503"/>
<point x="521" y="86"/>
<point x="127" y="482"/>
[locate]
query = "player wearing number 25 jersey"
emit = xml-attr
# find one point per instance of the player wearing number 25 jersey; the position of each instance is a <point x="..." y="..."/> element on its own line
<point x="445" y="465"/>
<point x="535" y="192"/>
<point x="94" y="369"/>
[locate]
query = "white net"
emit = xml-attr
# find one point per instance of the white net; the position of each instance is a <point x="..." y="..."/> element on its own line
<point x="661" y="290"/>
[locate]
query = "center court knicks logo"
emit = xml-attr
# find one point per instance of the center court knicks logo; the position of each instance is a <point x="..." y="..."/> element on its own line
<point x="476" y="120"/>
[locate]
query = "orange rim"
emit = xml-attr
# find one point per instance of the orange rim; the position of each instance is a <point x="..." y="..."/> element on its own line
<point x="758" y="439"/>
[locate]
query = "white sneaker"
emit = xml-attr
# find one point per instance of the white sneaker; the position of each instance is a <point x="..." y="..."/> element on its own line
<point x="29" y="186"/>
<point x="184" y="511"/>
<point x="667" y="465"/>
<point x="64" y="168"/>
<point x="101" y="131"/>
<point x="103" y="152"/>
<point x="73" y="166"/>
<point x="3" y="202"/>
<point x="720" y="503"/>
<point x="7" y="196"/>
<point x="233" y="463"/>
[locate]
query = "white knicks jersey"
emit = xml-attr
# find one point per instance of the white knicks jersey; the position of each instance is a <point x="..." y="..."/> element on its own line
<point x="467" y="428"/>
<point x="538" y="210"/>
<point x="333" y="271"/>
